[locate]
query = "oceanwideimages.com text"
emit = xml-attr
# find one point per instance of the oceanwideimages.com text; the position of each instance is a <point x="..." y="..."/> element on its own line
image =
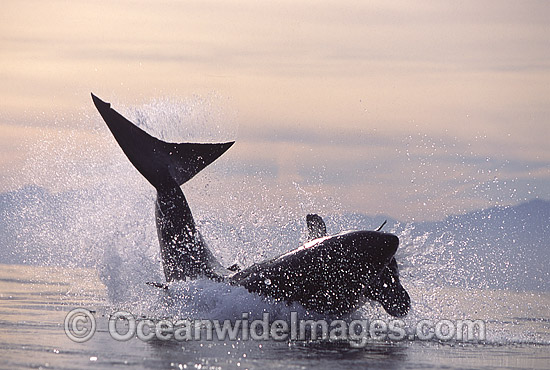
<point x="80" y="326"/>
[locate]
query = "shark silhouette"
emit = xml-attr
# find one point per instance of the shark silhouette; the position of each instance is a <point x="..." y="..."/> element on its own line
<point x="333" y="274"/>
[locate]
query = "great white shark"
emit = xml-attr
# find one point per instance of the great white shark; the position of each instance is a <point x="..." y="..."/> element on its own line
<point x="331" y="274"/>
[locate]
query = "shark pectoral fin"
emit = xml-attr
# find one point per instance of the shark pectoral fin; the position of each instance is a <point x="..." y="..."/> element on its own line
<point x="395" y="300"/>
<point x="389" y="292"/>
<point x="316" y="226"/>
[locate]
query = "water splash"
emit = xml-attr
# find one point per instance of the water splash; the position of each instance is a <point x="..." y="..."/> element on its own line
<point x="100" y="215"/>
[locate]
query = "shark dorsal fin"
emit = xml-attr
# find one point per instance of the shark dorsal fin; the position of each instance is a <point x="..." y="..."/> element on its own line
<point x="315" y="226"/>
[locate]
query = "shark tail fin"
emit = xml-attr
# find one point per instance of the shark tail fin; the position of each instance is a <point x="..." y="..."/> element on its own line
<point x="158" y="161"/>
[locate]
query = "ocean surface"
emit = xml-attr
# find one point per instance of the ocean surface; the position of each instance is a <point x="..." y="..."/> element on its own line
<point x="34" y="303"/>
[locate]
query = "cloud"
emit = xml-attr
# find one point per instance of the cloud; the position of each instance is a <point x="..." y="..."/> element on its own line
<point x="423" y="103"/>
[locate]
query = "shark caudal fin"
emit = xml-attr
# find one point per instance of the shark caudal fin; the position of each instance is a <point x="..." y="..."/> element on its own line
<point x="158" y="161"/>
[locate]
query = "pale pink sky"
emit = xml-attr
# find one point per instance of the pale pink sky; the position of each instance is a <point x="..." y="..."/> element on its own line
<point x="413" y="109"/>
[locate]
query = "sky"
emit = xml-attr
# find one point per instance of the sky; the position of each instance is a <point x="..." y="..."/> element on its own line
<point x="416" y="110"/>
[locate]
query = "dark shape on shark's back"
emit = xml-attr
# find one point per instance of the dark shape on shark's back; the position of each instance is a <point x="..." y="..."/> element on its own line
<point x="330" y="274"/>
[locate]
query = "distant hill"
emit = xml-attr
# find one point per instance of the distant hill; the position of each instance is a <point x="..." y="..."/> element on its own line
<point x="499" y="247"/>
